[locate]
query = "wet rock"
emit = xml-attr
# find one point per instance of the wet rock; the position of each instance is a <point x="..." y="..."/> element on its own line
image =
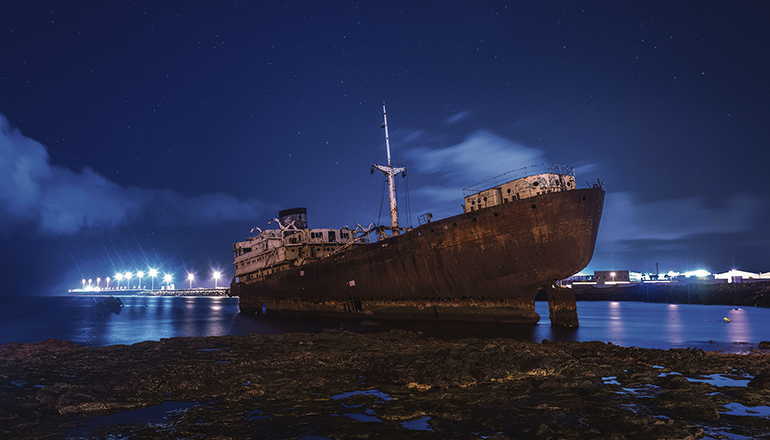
<point x="761" y="380"/>
<point x="764" y="345"/>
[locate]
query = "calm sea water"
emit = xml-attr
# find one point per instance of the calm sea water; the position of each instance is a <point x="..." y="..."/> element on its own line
<point x="78" y="319"/>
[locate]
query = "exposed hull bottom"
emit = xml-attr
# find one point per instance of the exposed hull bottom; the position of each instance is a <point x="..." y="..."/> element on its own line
<point x="521" y="310"/>
<point x="514" y="310"/>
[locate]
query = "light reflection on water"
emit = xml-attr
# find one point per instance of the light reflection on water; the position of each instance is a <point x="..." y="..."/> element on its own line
<point x="152" y="318"/>
<point x="674" y="324"/>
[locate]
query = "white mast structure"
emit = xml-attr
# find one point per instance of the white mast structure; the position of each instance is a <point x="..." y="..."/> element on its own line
<point x="390" y="171"/>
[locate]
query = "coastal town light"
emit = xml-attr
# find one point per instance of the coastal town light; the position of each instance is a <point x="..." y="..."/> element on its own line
<point x="217" y="274"/>
<point x="84" y="284"/>
<point x="118" y="276"/>
<point x="190" y="277"/>
<point x="167" y="279"/>
<point x="153" y="274"/>
<point x="97" y="282"/>
<point x="139" y="275"/>
<point x="108" y="282"/>
<point x="128" y="276"/>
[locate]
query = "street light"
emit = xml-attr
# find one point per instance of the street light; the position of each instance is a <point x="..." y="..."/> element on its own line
<point x="217" y="274"/>
<point x="128" y="276"/>
<point x="190" y="277"/>
<point x="140" y="274"/>
<point x="108" y="283"/>
<point x="84" y="284"/>
<point x="167" y="279"/>
<point x="153" y="274"/>
<point x="97" y="283"/>
<point x="612" y="274"/>
<point x="118" y="276"/>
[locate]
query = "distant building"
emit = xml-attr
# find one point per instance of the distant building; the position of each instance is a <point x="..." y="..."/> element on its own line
<point x="612" y="276"/>
<point x="737" y="276"/>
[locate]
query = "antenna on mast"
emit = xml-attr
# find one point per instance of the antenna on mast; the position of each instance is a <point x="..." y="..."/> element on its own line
<point x="390" y="171"/>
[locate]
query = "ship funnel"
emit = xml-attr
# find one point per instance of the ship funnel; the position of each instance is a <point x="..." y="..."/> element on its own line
<point x="296" y="215"/>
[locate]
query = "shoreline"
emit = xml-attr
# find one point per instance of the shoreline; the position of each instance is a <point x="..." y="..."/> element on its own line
<point x="754" y="294"/>
<point x="339" y="384"/>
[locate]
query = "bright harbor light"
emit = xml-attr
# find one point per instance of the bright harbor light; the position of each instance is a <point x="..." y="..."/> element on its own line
<point x="700" y="273"/>
<point x="217" y="274"/>
<point x="153" y="274"/>
<point x="167" y="278"/>
<point x="190" y="277"/>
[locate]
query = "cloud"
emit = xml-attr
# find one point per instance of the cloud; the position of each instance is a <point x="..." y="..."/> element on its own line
<point x="480" y="156"/>
<point x="458" y="117"/>
<point x="626" y="220"/>
<point x="62" y="201"/>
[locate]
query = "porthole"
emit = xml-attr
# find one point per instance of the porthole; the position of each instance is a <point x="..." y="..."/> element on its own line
<point x="584" y="197"/>
<point x="509" y="190"/>
<point x="495" y="214"/>
<point x="474" y="219"/>
<point x="454" y="224"/>
<point x="431" y="230"/>
<point x="534" y="206"/>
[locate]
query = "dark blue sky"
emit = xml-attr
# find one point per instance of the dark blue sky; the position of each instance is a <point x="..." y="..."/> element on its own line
<point x="158" y="133"/>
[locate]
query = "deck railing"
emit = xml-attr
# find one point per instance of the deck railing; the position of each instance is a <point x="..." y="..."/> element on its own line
<point x="518" y="174"/>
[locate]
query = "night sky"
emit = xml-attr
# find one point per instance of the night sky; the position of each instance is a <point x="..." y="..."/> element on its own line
<point x="156" y="134"/>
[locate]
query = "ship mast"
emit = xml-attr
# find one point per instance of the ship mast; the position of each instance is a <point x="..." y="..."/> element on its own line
<point x="390" y="171"/>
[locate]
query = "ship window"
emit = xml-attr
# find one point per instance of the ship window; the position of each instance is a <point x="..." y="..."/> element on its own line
<point x="534" y="206"/>
<point x="344" y="235"/>
<point x="535" y="183"/>
<point x="509" y="190"/>
<point x="485" y="199"/>
<point x="473" y="202"/>
<point x="332" y="236"/>
<point x="505" y="200"/>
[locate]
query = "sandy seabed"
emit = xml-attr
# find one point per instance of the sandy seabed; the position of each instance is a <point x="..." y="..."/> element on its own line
<point x="343" y="385"/>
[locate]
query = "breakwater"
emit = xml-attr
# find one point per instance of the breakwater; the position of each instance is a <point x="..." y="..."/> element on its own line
<point x="755" y="294"/>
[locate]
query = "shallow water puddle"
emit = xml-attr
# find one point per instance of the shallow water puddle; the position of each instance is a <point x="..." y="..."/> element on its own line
<point x="417" y="425"/>
<point x="737" y="409"/>
<point x="376" y="393"/>
<point x="158" y="414"/>
<point x="363" y="417"/>
<point x="718" y="380"/>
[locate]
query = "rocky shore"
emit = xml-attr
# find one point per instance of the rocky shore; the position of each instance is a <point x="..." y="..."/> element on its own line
<point x="338" y="384"/>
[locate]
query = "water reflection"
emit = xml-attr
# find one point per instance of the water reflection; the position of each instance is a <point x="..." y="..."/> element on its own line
<point x="739" y="327"/>
<point x="152" y="318"/>
<point x="674" y="324"/>
<point x="615" y="323"/>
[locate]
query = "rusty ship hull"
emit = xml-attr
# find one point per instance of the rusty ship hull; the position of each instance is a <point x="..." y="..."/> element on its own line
<point x="483" y="265"/>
